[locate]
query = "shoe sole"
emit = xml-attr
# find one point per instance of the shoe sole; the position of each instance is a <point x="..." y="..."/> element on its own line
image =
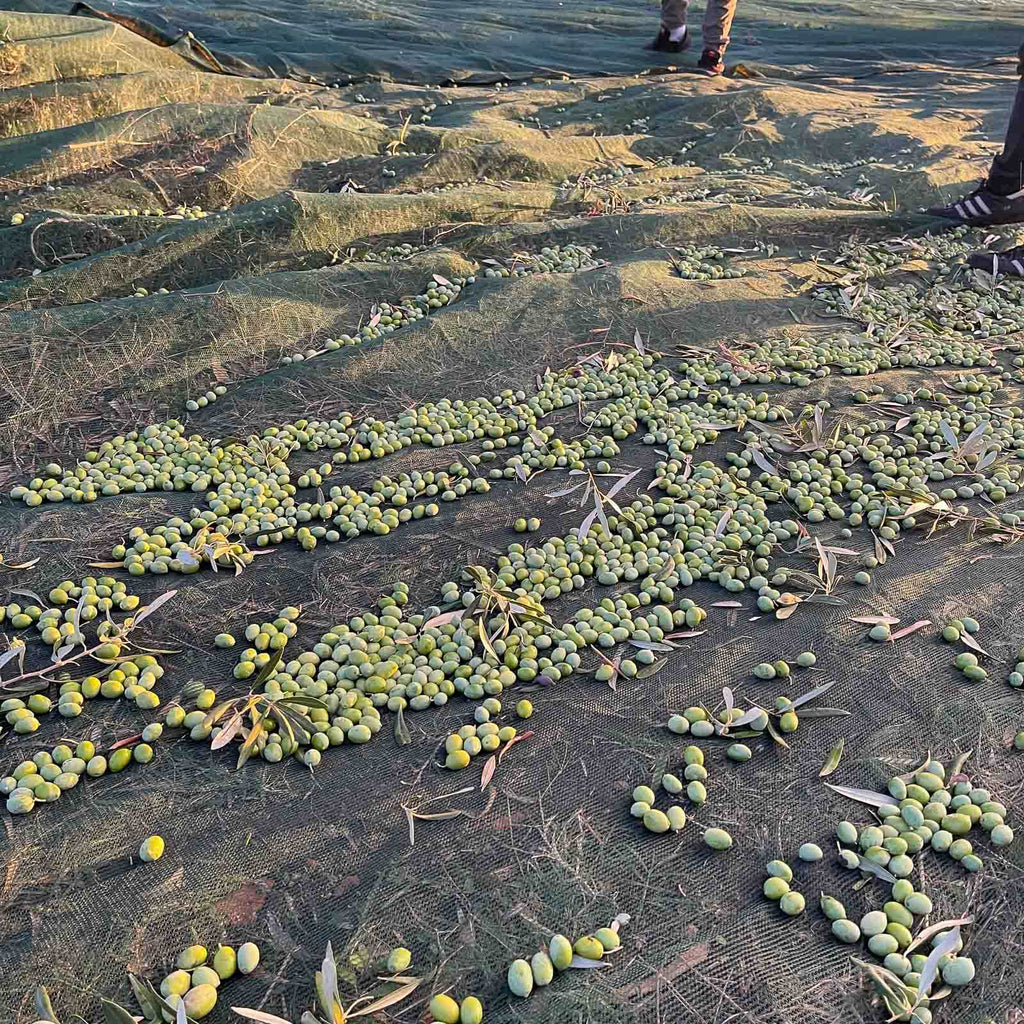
<point x="978" y="222"/>
<point x="668" y="48"/>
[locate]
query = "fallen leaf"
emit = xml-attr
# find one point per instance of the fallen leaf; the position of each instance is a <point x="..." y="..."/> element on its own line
<point x="876" y="869"/>
<point x="488" y="771"/>
<point x="727" y="604"/>
<point x="387" y="1000"/>
<point x="810" y="695"/>
<point x="931" y="965"/>
<point x="649" y="670"/>
<point x="832" y="761"/>
<point x="913" y="628"/>
<point x="258" y="1015"/>
<point x="518" y="738"/>
<point x="875" y="620"/>
<point x="969" y="641"/>
<point x="933" y="929"/>
<point x="775" y="736"/>
<point x="865" y="796"/>
<point x="825" y="713"/>
<point x="587" y="963"/>
<point x="34" y="561"/>
<point x="402" y="737"/>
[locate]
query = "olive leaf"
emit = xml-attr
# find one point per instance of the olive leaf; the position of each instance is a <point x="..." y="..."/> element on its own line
<point x="153" y="606"/>
<point x="268" y="670"/>
<point x="755" y="453"/>
<point x="832" y="761"/>
<point x="488" y="771"/>
<point x="518" y="738"/>
<point x="115" y="1014"/>
<point x="43" y="1006"/>
<point x="933" y="929"/>
<point x="958" y="764"/>
<point x="402" y="736"/>
<point x="150" y="1008"/>
<point x="259" y="1015"/>
<point x="229" y="731"/>
<point x="649" y="670"/>
<point x="396" y="996"/>
<point x="912" y="628"/>
<point x="585" y="963"/>
<point x="810" y="695"/>
<point x="908" y="776"/>
<point x="864" y="796"/>
<point x="931" y="965"/>
<point x="444" y="618"/>
<point x="648" y="645"/>
<point x="969" y="641"/>
<point x="249" y="743"/>
<point x="164" y="1010"/>
<point x="327" y="988"/>
<point x="876" y="869"/>
<point x="747" y="717"/>
<point x="947" y="433"/>
<point x="775" y="735"/>
<point x="825" y="713"/>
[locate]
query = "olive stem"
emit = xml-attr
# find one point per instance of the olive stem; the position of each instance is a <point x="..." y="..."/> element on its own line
<point x="53" y="668"/>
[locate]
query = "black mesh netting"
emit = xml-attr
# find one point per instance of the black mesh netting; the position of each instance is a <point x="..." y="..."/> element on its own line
<point x="104" y="135"/>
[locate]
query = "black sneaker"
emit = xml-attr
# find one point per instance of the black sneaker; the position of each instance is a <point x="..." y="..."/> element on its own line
<point x="711" y="62"/>
<point x="1009" y="261"/>
<point x="982" y="207"/>
<point x="664" y="42"/>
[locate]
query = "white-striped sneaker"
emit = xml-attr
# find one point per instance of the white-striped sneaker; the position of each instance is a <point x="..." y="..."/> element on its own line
<point x="982" y="207"/>
<point x="1009" y="261"/>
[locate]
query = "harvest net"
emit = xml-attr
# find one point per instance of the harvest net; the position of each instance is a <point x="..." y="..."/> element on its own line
<point x="726" y="271"/>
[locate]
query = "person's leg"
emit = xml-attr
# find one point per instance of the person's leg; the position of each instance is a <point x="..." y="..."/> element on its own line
<point x="672" y="37"/>
<point x="717" y="22"/>
<point x="1007" y="173"/>
<point x="673" y="14"/>
<point x="1000" y="198"/>
<point x="718" y="17"/>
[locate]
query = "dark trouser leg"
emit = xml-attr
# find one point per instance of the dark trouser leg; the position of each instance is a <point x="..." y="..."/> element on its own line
<point x="673" y="13"/>
<point x="1007" y="173"/>
<point x="717" y="22"/>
